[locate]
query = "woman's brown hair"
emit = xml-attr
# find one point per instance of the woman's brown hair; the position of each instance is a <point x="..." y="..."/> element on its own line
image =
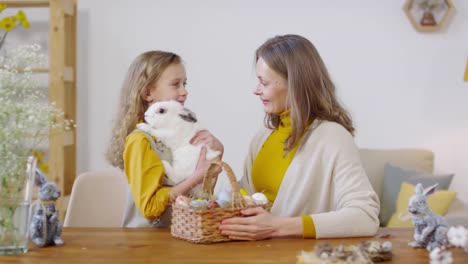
<point x="311" y="92"/>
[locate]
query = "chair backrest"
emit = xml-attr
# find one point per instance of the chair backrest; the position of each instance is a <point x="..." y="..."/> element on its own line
<point x="98" y="199"/>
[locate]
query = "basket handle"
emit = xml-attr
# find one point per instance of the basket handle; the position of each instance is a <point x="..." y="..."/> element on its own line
<point x="236" y="198"/>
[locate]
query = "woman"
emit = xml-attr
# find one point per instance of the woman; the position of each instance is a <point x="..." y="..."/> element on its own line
<point x="305" y="161"/>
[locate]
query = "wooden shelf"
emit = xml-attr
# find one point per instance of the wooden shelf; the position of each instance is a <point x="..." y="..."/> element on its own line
<point x="62" y="84"/>
<point x="410" y="8"/>
<point x="68" y="6"/>
<point x="68" y="72"/>
<point x="38" y="70"/>
<point x="69" y="138"/>
<point x="62" y="89"/>
<point x="30" y="3"/>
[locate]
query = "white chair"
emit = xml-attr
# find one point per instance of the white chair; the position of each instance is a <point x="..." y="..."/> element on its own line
<point x="98" y="199"/>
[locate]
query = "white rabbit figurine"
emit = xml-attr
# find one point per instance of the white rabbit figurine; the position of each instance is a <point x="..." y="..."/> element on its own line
<point x="46" y="228"/>
<point x="175" y="125"/>
<point x="430" y="230"/>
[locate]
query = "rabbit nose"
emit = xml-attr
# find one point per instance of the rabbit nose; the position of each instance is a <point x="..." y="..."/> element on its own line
<point x="412" y="210"/>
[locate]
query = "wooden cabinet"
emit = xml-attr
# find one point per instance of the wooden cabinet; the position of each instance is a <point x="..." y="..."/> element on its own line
<point x="62" y="84"/>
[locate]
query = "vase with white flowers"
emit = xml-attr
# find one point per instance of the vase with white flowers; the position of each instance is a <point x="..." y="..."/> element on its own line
<point x="27" y="119"/>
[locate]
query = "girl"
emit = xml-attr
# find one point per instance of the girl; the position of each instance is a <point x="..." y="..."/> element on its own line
<point x="305" y="159"/>
<point x="152" y="77"/>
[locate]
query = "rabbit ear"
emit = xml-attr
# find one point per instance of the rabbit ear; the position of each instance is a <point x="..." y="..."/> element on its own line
<point x="192" y="113"/>
<point x="419" y="188"/>
<point x="192" y="116"/>
<point x="40" y="178"/>
<point x="430" y="190"/>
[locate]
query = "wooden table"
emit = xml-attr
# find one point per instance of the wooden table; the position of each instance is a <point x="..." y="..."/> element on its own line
<point x="118" y="245"/>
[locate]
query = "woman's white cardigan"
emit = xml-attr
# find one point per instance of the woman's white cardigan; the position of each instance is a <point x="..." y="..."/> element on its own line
<point x="325" y="180"/>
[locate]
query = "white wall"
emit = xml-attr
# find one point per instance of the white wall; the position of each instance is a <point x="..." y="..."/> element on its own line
<point x="403" y="88"/>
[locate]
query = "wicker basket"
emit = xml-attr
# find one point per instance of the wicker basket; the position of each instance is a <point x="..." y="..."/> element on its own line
<point x="202" y="226"/>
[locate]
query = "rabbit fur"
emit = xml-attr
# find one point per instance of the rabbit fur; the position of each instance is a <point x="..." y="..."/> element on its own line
<point x="175" y="125"/>
<point x="430" y="230"/>
<point x="46" y="228"/>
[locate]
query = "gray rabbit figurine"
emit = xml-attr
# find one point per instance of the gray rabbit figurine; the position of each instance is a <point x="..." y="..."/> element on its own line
<point x="430" y="230"/>
<point x="46" y="228"/>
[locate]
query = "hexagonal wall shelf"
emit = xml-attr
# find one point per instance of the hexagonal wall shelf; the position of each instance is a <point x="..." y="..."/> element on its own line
<point x="428" y="15"/>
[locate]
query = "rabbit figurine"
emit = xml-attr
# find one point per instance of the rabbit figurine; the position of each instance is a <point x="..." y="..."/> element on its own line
<point x="430" y="230"/>
<point x="46" y="228"/>
<point x="174" y="125"/>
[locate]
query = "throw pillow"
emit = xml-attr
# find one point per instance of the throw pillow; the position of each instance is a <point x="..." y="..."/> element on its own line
<point x="439" y="203"/>
<point x="394" y="176"/>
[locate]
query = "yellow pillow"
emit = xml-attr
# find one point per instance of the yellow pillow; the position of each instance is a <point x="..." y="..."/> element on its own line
<point x="439" y="203"/>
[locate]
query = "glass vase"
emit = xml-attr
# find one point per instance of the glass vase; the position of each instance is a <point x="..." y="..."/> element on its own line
<point x="15" y="202"/>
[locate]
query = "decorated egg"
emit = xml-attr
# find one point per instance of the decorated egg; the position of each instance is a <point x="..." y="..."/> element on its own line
<point x="260" y="198"/>
<point x="213" y="204"/>
<point x="197" y="204"/>
<point x="249" y="201"/>
<point x="223" y="204"/>
<point x="243" y="192"/>
<point x="224" y="195"/>
<point x="182" y="201"/>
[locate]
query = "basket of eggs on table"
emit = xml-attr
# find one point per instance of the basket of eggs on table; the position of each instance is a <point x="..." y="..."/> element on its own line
<point x="197" y="219"/>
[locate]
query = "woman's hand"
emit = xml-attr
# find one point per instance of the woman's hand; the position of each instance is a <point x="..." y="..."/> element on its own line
<point x="206" y="138"/>
<point x="256" y="225"/>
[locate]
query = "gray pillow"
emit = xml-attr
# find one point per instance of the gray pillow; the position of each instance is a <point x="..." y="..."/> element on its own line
<point x="394" y="176"/>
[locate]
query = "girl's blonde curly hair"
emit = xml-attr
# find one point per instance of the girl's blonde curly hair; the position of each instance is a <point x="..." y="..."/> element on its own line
<point x="144" y="71"/>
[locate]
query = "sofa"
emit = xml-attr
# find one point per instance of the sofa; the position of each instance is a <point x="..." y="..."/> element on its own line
<point x="375" y="160"/>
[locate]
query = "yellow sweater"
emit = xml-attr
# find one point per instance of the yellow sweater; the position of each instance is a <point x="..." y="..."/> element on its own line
<point x="145" y="174"/>
<point x="270" y="165"/>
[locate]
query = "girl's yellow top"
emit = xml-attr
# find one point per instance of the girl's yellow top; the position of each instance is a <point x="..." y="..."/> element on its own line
<point x="145" y="174"/>
<point x="271" y="163"/>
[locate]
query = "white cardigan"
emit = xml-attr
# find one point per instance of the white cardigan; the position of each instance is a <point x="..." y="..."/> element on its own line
<point x="325" y="180"/>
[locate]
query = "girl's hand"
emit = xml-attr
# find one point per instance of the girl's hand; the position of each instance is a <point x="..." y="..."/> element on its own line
<point x="202" y="166"/>
<point x="258" y="224"/>
<point x="206" y="138"/>
<point x="197" y="177"/>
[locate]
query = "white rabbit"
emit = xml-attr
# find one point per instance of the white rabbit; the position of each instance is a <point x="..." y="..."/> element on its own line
<point x="430" y="230"/>
<point x="175" y="125"/>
